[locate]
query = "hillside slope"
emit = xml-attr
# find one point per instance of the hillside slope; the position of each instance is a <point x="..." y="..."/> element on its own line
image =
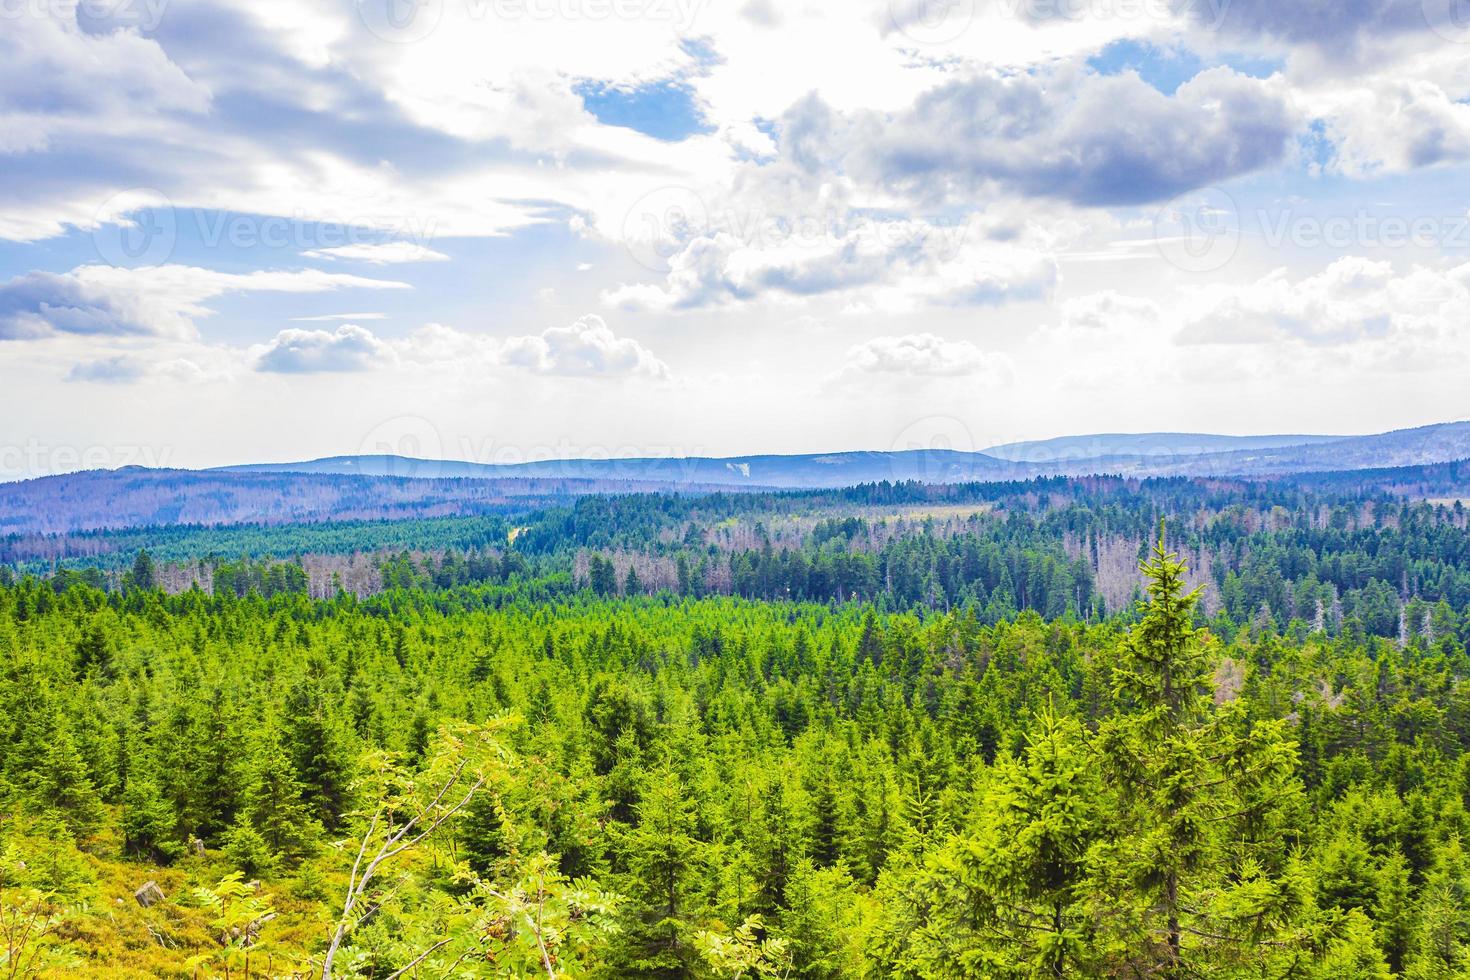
<point x="1107" y="445"/>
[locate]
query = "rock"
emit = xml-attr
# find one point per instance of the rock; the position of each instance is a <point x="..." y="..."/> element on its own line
<point x="149" y="894"/>
<point x="254" y="886"/>
<point x="196" y="845"/>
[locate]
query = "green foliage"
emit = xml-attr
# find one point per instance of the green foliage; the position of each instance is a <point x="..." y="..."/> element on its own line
<point x="734" y="787"/>
<point x="147" y="821"/>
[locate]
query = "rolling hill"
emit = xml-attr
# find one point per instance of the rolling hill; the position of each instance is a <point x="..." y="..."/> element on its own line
<point x="395" y="487"/>
<point x="1147" y="454"/>
<point x="1110" y="445"/>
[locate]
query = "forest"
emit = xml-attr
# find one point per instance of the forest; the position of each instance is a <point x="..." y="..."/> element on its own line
<point x="1056" y="728"/>
<point x="483" y="781"/>
<point x="734" y="490"/>
<point x="1300" y="559"/>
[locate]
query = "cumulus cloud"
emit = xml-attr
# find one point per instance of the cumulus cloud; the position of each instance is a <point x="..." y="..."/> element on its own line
<point x="162" y="301"/>
<point x="1074" y="135"/>
<point x="39" y="304"/>
<point x="888" y="264"/>
<point x="1355" y="304"/>
<point x="587" y="348"/>
<point x="101" y="78"/>
<point x="348" y="348"/>
<point x="120" y="369"/>
<point x="866" y="118"/>
<point x="383" y="253"/>
<point x="923" y="355"/>
<point x="128" y="368"/>
<point x="1395" y="125"/>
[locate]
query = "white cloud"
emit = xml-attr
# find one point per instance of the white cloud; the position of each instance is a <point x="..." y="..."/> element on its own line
<point x="348" y="348"/>
<point x="57" y="79"/>
<point x="1396" y="125"/>
<point x="871" y="132"/>
<point x="162" y="300"/>
<point x="129" y="369"/>
<point x="923" y="355"/>
<point x="885" y="264"/>
<point x="1357" y="306"/>
<point x="379" y="254"/>
<point x="587" y="347"/>
<point x="1054" y="134"/>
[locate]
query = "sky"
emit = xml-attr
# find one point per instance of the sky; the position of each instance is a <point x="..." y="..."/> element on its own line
<point x="500" y="230"/>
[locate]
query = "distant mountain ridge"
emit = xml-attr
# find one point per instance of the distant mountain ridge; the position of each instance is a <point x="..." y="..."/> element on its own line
<point x="1128" y="444"/>
<point x="1442" y="443"/>
<point x="135" y="496"/>
<point x="1140" y="454"/>
<point x="381" y="487"/>
<point x="808" y="470"/>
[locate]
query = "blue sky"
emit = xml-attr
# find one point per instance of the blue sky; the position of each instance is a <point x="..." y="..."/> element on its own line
<point x="505" y="229"/>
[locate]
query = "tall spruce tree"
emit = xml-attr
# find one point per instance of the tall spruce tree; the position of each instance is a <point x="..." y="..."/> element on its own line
<point x="1183" y="885"/>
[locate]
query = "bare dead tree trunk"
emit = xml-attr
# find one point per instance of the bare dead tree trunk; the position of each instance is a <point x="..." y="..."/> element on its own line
<point x="395" y="841"/>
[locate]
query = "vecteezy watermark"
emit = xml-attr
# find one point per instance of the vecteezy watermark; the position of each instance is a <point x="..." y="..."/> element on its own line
<point x="662" y="223"/>
<point x="400" y="21"/>
<point x="410" y="446"/>
<point x="1450" y="19"/>
<point x="35" y="458"/>
<point x="142" y="15"/>
<point x="1201" y="232"/>
<point x="1198" y="231"/>
<point x="136" y="227"/>
<point x="934" y="449"/>
<point x="141" y="226"/>
<point x="932" y="22"/>
<point x="408" y="21"/>
<point x="1363" y="229"/>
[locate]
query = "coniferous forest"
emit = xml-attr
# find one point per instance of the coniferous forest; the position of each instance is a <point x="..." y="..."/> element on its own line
<point x="1024" y="730"/>
<point x="734" y="490"/>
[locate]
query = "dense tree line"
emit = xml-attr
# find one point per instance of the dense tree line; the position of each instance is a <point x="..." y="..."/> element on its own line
<point x="1377" y="567"/>
<point x="725" y="787"/>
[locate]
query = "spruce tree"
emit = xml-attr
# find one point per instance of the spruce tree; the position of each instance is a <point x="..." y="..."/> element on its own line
<point x="666" y="862"/>
<point x="272" y="806"/>
<point x="318" y="747"/>
<point x="1193" y="784"/>
<point x="66" y="787"/>
<point x="148" y="819"/>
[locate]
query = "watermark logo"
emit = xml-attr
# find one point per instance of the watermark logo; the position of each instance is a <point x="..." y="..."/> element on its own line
<point x="1364" y="229"/>
<point x="1198" y="231"/>
<point x="411" y="446"/>
<point x="1450" y="19"/>
<point x="931" y="21"/>
<point x="934" y="449"/>
<point x="136" y="227"/>
<point x="34" y="458"/>
<point x="659" y="223"/>
<point x="141" y="227"/>
<point x="144" y="16"/>
<point x="400" y="21"/>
